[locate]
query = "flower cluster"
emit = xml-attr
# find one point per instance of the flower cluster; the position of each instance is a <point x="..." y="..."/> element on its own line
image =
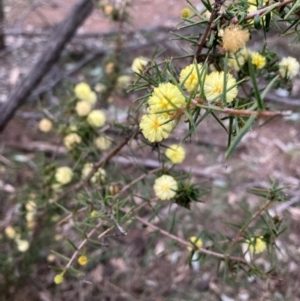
<point x="256" y="245"/>
<point x="45" y="125"/>
<point x="190" y="77"/>
<point x="63" y="175"/>
<point x="196" y="242"/>
<point x="165" y="187"/>
<point x="214" y="87"/>
<point x="99" y="175"/>
<point x="234" y="38"/>
<point x="175" y="153"/>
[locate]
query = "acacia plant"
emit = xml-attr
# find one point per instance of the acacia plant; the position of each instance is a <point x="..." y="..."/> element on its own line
<point x="217" y="77"/>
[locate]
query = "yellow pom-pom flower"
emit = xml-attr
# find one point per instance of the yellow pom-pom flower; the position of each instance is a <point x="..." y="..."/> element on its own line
<point x="155" y="128"/>
<point x="165" y="98"/>
<point x="258" y="60"/>
<point x="234" y="38"/>
<point x="22" y="245"/>
<point x="103" y="142"/>
<point x="288" y="67"/>
<point x="71" y="140"/>
<point x="123" y="82"/>
<point x="165" y="187"/>
<point x="64" y="175"/>
<point x="58" y="279"/>
<point x="186" y="13"/>
<point x="10" y="232"/>
<point x="82" y="91"/>
<point x="138" y="64"/>
<point x="109" y="68"/>
<point x="196" y="242"/>
<point x="45" y="125"/>
<point x="214" y="86"/>
<point x="175" y="153"/>
<point x="99" y="175"/>
<point x="96" y="118"/>
<point x="83" y="108"/>
<point x="91" y="98"/>
<point x="82" y="260"/>
<point x="189" y="76"/>
<point x="256" y="245"/>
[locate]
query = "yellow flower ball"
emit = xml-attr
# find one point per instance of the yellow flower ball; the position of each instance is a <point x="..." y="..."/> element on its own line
<point x="236" y="62"/>
<point x="103" y="142"/>
<point x="165" y="99"/>
<point x="234" y="38"/>
<point x="100" y="88"/>
<point x="10" y="232"/>
<point x="175" y="153"/>
<point x="186" y="13"/>
<point x="155" y="128"/>
<point x="91" y="98"/>
<point x="64" y="175"/>
<point x="138" y="64"/>
<point x="288" y="67"/>
<point x="22" y="245"/>
<point x="214" y="86"/>
<point x="123" y="82"/>
<point x="71" y="140"/>
<point x="83" y="108"/>
<point x="258" y="60"/>
<point x="165" y="187"/>
<point x="96" y="118"/>
<point x="108" y="9"/>
<point x="45" y="125"/>
<point x="196" y="242"/>
<point x="99" y="175"/>
<point x="109" y="68"/>
<point x="82" y="91"/>
<point x="30" y="206"/>
<point x="189" y="76"/>
<point x="51" y="258"/>
<point x="30" y="216"/>
<point x="82" y="260"/>
<point x="58" y="279"/>
<point x="256" y="245"/>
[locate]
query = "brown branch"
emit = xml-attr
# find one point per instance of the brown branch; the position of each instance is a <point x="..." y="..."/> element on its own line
<point x="188" y="244"/>
<point x="261" y="11"/>
<point x="244" y="228"/>
<point x="80" y="11"/>
<point x="82" y="244"/>
<point x="258" y="114"/>
<point x="202" y="40"/>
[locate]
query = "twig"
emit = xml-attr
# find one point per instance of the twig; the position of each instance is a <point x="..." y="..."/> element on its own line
<point x="188" y="244"/>
<point x="202" y="40"/>
<point x="82" y="244"/>
<point x="246" y="225"/>
<point x="261" y="11"/>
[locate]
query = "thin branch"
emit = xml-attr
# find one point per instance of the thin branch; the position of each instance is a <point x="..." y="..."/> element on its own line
<point x="82" y="244"/>
<point x="188" y="244"/>
<point x="202" y="39"/>
<point x="261" y="11"/>
<point x="247" y="224"/>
